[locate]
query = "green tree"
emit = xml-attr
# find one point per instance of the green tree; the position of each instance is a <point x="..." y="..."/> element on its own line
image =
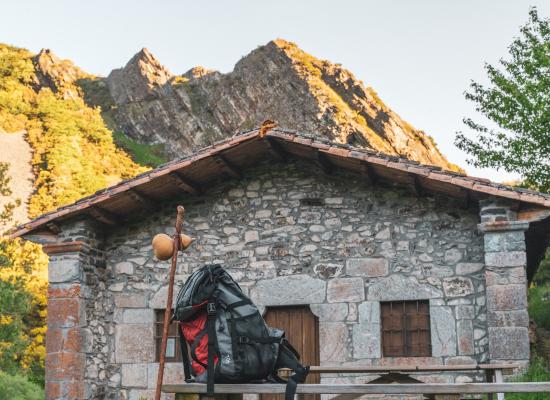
<point x="515" y="132"/>
<point x="14" y="304"/>
<point x="23" y="285"/>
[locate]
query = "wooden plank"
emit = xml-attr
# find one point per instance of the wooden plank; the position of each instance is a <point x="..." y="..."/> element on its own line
<point x="533" y="214"/>
<point x="414" y="388"/>
<point x="410" y="368"/>
<point x="498" y="379"/>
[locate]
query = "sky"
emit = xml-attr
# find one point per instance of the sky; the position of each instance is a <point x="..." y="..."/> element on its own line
<point x="418" y="55"/>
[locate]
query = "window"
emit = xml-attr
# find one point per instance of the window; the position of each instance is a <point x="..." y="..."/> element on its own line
<point x="173" y="351"/>
<point x="406" y="328"/>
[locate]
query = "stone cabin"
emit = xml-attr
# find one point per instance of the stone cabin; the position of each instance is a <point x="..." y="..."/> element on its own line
<point x="365" y="259"/>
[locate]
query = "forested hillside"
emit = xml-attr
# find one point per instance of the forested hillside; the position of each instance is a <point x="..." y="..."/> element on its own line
<point x="73" y="155"/>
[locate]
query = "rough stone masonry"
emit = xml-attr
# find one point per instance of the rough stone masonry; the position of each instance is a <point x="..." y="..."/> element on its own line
<point x="293" y="235"/>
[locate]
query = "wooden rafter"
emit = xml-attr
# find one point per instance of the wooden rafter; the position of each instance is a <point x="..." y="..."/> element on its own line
<point x="466" y="199"/>
<point x="324" y="162"/>
<point x="103" y="216"/>
<point x="184" y="184"/>
<point x="414" y="185"/>
<point x="226" y="166"/>
<point x="53" y="227"/>
<point x="141" y="198"/>
<point x="368" y="173"/>
<point x="276" y="149"/>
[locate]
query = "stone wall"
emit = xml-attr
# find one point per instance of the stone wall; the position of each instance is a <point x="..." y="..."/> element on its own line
<point x="293" y="235"/>
<point x="76" y="340"/>
<point x="506" y="281"/>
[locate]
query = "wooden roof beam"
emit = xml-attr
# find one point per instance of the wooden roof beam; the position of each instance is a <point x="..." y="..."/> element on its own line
<point x="53" y="227"/>
<point x="368" y="173"/>
<point x="184" y="184"/>
<point x="414" y="185"/>
<point x="144" y="200"/>
<point x="276" y="149"/>
<point x="324" y="162"/>
<point x="466" y="199"/>
<point x="104" y="216"/>
<point x="227" y="166"/>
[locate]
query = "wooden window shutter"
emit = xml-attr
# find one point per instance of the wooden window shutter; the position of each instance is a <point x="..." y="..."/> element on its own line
<point x="406" y="328"/>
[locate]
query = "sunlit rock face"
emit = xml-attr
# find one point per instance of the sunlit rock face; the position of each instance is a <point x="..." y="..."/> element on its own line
<point x="276" y="81"/>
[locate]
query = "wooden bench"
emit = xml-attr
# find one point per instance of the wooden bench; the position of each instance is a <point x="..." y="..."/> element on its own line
<point x="394" y="379"/>
<point x="183" y="390"/>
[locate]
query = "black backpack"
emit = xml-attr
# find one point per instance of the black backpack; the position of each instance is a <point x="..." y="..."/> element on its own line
<point x="229" y="341"/>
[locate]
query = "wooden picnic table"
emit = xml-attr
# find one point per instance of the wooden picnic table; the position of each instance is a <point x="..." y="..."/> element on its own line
<point x="394" y="379"/>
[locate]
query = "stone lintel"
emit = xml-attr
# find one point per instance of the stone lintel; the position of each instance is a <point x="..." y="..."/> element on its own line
<point x="503" y="226"/>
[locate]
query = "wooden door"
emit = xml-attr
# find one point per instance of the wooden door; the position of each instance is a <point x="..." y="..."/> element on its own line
<point x="302" y="331"/>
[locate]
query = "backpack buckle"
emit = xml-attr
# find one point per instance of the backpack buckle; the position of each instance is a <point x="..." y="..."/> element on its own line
<point x="211" y="309"/>
<point x="244" y="340"/>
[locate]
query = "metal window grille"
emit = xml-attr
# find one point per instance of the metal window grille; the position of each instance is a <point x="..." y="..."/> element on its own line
<point x="173" y="351"/>
<point x="406" y="328"/>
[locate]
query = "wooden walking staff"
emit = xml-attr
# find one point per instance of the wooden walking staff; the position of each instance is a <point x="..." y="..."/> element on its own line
<point x="162" y="246"/>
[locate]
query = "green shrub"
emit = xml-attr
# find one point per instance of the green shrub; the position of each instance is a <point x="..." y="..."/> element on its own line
<point x="74" y="154"/>
<point x="15" y="387"/>
<point x="143" y="154"/>
<point x="539" y="304"/>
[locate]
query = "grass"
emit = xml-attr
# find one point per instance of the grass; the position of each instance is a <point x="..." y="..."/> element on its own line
<point x="537" y="372"/>
<point x="143" y="154"/>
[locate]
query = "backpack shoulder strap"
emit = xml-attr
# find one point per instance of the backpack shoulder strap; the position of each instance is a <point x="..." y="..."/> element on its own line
<point x="184" y="355"/>
<point x="211" y="329"/>
<point x="288" y="358"/>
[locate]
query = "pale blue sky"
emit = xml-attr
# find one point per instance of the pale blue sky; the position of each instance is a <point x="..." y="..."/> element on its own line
<point x="418" y="55"/>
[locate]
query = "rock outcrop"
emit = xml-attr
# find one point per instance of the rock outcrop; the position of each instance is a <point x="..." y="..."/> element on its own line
<point x="59" y="75"/>
<point x="276" y="81"/>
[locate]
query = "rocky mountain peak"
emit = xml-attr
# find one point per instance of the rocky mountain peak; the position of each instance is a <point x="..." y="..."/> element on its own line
<point x="140" y="79"/>
<point x="58" y="74"/>
<point x="277" y="81"/>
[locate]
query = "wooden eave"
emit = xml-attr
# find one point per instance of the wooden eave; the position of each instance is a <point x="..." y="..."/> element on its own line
<point x="229" y="158"/>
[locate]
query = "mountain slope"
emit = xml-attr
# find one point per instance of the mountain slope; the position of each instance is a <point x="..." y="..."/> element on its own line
<point x="73" y="151"/>
<point x="82" y="128"/>
<point x="276" y="81"/>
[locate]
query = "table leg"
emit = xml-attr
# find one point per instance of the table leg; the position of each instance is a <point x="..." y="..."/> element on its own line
<point x="499" y="379"/>
<point x="489" y="377"/>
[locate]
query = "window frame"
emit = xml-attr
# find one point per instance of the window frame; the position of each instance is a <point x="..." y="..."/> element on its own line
<point x="408" y="347"/>
<point x="172" y="335"/>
